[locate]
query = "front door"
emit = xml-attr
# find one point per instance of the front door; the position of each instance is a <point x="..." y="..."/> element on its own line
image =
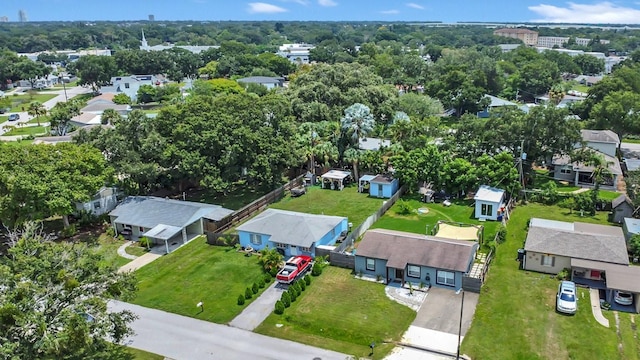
<point x="399" y="275"/>
<point x="294" y="250"/>
<point x="380" y="190"/>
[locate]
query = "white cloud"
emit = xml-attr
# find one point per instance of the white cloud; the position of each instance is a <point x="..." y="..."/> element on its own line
<point x="390" y="12"/>
<point x="327" y="3"/>
<point x="264" y="8"/>
<point x="415" y="6"/>
<point x="301" y="2"/>
<point x="598" y="13"/>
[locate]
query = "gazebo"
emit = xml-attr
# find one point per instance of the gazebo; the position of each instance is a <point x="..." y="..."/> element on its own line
<point x="364" y="181"/>
<point x="335" y="179"/>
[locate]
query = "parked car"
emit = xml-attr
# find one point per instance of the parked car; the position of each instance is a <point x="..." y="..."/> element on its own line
<point x="623" y="298"/>
<point x="14" y="117"/>
<point x="566" y="299"/>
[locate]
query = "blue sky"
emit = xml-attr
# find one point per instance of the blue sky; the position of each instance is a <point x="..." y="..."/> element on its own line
<point x="583" y="11"/>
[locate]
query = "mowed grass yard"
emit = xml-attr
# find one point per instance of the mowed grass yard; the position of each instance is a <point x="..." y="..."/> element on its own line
<point x="26" y="131"/>
<point x="197" y="272"/>
<point x="341" y="313"/>
<point x="348" y="202"/>
<point x="18" y="102"/>
<point x="516" y="318"/>
<point x="460" y="211"/>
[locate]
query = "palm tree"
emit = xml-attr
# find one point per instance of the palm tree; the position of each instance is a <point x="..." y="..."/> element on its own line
<point x="270" y="259"/>
<point x="110" y="116"/>
<point x="353" y="156"/>
<point x="37" y="109"/>
<point x="327" y="152"/>
<point x="357" y="120"/>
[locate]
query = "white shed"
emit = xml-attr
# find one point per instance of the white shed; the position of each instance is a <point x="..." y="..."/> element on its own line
<point x="489" y="203"/>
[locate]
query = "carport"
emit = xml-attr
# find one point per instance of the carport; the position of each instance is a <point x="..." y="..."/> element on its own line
<point x="164" y="233"/>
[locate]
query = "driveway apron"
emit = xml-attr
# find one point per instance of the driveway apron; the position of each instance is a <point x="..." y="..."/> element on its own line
<point x="254" y="314"/>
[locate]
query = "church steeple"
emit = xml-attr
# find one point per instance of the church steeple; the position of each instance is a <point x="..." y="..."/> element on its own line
<point x="144" y="41"/>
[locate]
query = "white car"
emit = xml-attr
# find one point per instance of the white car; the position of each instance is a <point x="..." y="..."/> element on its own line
<point x="623" y="298"/>
<point x="566" y="299"/>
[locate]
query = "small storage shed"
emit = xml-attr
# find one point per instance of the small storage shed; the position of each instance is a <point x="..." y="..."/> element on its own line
<point x="621" y="207"/>
<point x="383" y="186"/>
<point x="489" y="203"/>
<point x="364" y="183"/>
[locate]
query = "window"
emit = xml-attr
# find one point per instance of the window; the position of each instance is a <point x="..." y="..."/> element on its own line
<point x="565" y="171"/>
<point x="141" y="229"/>
<point x="126" y="85"/>
<point x="126" y="227"/>
<point x="547" y="260"/>
<point x="413" y="271"/>
<point x="487" y="209"/>
<point x="371" y="264"/>
<point x="255" y="239"/>
<point x="281" y="246"/>
<point x="96" y="204"/>
<point x="305" y="249"/>
<point x="446" y="278"/>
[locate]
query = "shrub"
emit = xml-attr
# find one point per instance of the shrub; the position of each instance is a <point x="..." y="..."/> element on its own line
<point x="563" y="274"/>
<point x="302" y="285"/>
<point x="111" y="232"/>
<point x="292" y="295"/>
<point x="121" y="238"/>
<point x="307" y="280"/>
<point x="403" y="207"/>
<point x="634" y="245"/>
<point x="286" y="299"/>
<point x="501" y="234"/>
<point x="267" y="279"/>
<point x="261" y="283"/>
<point x="254" y="288"/>
<point x="297" y="289"/>
<point x="248" y="294"/>
<point x="317" y="269"/>
<point x="273" y="271"/>
<point x="279" y="307"/>
<point x="240" y="299"/>
<point x="69" y="231"/>
<point x="145" y="242"/>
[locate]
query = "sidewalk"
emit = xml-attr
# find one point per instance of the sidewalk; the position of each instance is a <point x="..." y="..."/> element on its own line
<point x="594" y="296"/>
<point x="139" y="262"/>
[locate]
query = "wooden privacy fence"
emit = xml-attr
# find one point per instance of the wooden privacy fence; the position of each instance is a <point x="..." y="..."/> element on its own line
<point x="256" y="206"/>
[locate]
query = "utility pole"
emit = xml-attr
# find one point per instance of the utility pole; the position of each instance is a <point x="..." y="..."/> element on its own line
<point x="522" y="157"/>
<point x="460" y="326"/>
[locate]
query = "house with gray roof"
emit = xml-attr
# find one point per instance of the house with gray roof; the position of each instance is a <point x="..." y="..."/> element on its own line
<point x="164" y="221"/>
<point x="398" y="256"/>
<point x="266" y="81"/>
<point x="495" y="103"/>
<point x="596" y="255"/>
<point x="292" y="233"/>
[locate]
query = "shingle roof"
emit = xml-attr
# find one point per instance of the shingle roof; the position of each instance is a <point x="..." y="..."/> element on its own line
<point x="577" y="240"/>
<point x="497" y="102"/>
<point x="619" y="200"/>
<point x="401" y="248"/>
<point x="99" y="106"/>
<point x="382" y="179"/>
<point x="149" y="211"/>
<point x="614" y="163"/>
<point x="605" y="136"/>
<point x="262" y="80"/>
<point x="290" y="227"/>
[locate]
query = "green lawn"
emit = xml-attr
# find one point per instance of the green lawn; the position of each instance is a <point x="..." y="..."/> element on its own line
<point x="27" y="130"/>
<point x="18" y="102"/>
<point x="341" y="313"/>
<point x="542" y="177"/>
<point x="4" y="118"/>
<point x="198" y="272"/>
<point x="143" y="355"/>
<point x="348" y="202"/>
<point x="631" y="140"/>
<point x="608" y="195"/>
<point x="516" y="318"/>
<point x="460" y="211"/>
<point x="43" y="119"/>
<point x="108" y="246"/>
<point x="135" y="250"/>
<point x="235" y="199"/>
<point x="17" y="143"/>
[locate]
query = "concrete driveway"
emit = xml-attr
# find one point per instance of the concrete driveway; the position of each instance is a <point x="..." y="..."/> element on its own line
<point x="180" y="337"/>
<point x="254" y="314"/>
<point x="436" y="325"/>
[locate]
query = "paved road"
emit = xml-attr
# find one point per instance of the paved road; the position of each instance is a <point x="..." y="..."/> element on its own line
<point x="254" y="314"/>
<point x="180" y="337"/>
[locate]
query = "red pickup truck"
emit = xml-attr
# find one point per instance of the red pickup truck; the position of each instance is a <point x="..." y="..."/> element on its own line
<point x="294" y="268"/>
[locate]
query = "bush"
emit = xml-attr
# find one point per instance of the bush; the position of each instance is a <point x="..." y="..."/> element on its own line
<point x="111" y="232"/>
<point x="317" y="269"/>
<point x="145" y="242"/>
<point x="563" y="274"/>
<point x="307" y="280"/>
<point x="254" y="288"/>
<point x="501" y="234"/>
<point x="302" y="285"/>
<point x="69" y="231"/>
<point x="403" y="207"/>
<point x="240" y="299"/>
<point x="273" y="272"/>
<point x="248" y="294"/>
<point x="279" y="307"/>
<point x="292" y="295"/>
<point x="268" y="278"/>
<point x="286" y="299"/>
<point x="634" y="245"/>
<point x="296" y="288"/>
<point x="261" y="283"/>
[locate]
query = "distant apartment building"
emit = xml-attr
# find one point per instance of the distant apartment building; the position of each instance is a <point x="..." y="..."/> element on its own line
<point x="296" y="53"/>
<point x="552" y="41"/>
<point x="528" y="37"/>
<point x="4" y="19"/>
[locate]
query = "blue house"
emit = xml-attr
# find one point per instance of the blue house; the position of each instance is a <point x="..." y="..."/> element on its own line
<point x="292" y="233"/>
<point x="398" y="256"/>
<point x="383" y="186"/>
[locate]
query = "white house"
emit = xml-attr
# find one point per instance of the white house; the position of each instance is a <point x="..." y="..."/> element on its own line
<point x="105" y="200"/>
<point x="490" y="203"/>
<point x="266" y="81"/>
<point x="129" y="85"/>
<point x="296" y="53"/>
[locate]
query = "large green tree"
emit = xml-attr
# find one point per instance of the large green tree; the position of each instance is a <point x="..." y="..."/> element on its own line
<point x="95" y="71"/>
<point x="53" y="303"/>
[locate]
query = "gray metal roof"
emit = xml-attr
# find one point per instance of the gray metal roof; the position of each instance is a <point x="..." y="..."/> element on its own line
<point x="400" y="248"/>
<point x="149" y="211"/>
<point x="632" y="225"/>
<point x="632" y="164"/>
<point x="619" y="277"/>
<point x="578" y="240"/>
<point x="489" y="194"/>
<point x="497" y="102"/>
<point x="290" y="227"/>
<point x="262" y="80"/>
<point x="373" y="144"/>
<point x="163" y="232"/>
